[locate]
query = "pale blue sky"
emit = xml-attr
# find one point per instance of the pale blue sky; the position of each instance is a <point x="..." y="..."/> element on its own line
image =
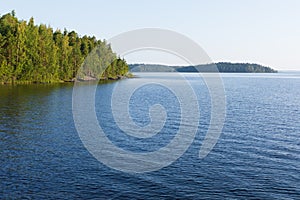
<point x="260" y="31"/>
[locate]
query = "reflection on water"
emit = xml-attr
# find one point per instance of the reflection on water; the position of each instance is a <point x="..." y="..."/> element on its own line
<point x="257" y="155"/>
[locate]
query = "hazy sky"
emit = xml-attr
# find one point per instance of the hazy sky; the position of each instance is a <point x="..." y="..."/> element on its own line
<point x="264" y="32"/>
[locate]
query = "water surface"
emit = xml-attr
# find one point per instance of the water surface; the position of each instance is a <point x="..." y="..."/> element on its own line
<point x="257" y="155"/>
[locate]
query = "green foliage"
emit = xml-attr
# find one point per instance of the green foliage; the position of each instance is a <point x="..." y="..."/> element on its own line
<point x="243" y="68"/>
<point x="216" y="67"/>
<point x="36" y="53"/>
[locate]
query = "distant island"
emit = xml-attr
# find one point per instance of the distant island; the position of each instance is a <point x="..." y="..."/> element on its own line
<point x="31" y="53"/>
<point x="223" y="67"/>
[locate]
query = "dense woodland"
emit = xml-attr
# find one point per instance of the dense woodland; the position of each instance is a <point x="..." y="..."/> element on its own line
<point x="228" y="67"/>
<point x="225" y="67"/>
<point x="36" y="53"/>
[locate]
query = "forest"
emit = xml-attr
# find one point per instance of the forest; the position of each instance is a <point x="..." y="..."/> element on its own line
<point x="227" y="67"/>
<point x="223" y="67"/>
<point x="31" y="53"/>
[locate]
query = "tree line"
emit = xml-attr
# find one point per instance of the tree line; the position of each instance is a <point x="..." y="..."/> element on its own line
<point x="225" y="67"/>
<point x="36" y="53"/>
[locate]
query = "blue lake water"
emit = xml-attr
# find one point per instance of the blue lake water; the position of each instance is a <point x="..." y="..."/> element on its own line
<point x="256" y="157"/>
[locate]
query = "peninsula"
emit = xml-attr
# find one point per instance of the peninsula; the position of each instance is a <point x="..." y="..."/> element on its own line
<point x="223" y="67"/>
<point x="31" y="53"/>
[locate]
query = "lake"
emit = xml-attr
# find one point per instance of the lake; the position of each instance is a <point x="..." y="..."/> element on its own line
<point x="257" y="155"/>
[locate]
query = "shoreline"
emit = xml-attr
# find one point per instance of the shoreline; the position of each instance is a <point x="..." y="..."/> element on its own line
<point x="85" y="79"/>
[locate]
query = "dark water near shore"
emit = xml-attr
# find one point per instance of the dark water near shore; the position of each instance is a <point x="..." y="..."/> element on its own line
<point x="256" y="157"/>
